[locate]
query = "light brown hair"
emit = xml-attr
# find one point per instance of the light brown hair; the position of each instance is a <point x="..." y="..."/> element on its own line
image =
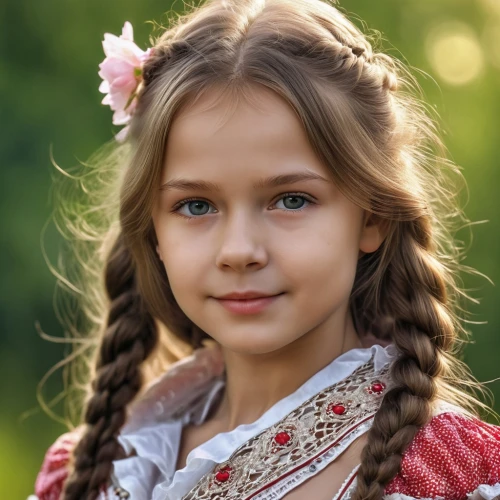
<point x="364" y="116"/>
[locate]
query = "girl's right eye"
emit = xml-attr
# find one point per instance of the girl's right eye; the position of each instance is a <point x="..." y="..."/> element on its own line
<point x="194" y="206"/>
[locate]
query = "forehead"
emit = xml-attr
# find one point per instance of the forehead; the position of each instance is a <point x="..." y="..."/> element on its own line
<point x="217" y="107"/>
<point x="256" y="125"/>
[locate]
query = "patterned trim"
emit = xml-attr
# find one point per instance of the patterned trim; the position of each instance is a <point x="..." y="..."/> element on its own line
<point x="312" y="430"/>
<point x="301" y="473"/>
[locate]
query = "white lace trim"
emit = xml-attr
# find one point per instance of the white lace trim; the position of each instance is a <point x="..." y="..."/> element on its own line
<point x="346" y="495"/>
<point x="485" y="492"/>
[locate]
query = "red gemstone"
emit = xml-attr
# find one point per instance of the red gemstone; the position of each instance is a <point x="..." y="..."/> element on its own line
<point x="337" y="409"/>
<point x="378" y="387"/>
<point x="223" y="475"/>
<point x="282" y="438"/>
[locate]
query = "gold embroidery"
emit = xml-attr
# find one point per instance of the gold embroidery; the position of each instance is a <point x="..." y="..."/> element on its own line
<point x="296" y="440"/>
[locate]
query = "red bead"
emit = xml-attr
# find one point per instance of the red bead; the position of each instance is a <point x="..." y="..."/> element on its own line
<point x="223" y="475"/>
<point x="337" y="409"/>
<point x="378" y="387"/>
<point x="282" y="438"/>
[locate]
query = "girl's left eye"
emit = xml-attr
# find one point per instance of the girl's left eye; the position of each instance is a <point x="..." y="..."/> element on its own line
<point x="292" y="202"/>
<point x="295" y="202"/>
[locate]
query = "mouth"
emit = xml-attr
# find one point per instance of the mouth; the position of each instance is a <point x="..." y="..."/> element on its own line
<point x="252" y="305"/>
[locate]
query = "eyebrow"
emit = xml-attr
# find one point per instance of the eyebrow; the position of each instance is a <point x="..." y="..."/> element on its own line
<point x="269" y="182"/>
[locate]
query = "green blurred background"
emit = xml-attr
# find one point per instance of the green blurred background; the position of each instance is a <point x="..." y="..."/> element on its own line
<point x="49" y="88"/>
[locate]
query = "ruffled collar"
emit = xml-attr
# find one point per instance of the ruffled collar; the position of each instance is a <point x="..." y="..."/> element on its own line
<point x="192" y="385"/>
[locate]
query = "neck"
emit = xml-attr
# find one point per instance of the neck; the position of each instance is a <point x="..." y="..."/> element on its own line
<point x="255" y="382"/>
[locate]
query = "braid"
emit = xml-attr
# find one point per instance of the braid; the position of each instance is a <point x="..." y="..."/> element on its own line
<point x="130" y="337"/>
<point x="415" y="297"/>
<point x="354" y="55"/>
<point x="379" y="63"/>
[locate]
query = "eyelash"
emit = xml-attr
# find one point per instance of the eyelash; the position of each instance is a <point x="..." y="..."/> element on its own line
<point x="180" y="204"/>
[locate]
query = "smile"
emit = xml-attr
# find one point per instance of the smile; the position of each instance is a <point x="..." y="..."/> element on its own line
<point x="248" y="306"/>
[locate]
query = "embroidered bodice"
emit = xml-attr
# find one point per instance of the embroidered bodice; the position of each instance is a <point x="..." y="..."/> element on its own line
<point x="299" y="445"/>
<point x="452" y="457"/>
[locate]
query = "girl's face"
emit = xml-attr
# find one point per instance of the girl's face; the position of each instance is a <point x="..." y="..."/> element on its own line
<point x="245" y="205"/>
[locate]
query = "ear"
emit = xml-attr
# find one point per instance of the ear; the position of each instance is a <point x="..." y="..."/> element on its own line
<point x="154" y="241"/>
<point x="373" y="233"/>
<point x="158" y="252"/>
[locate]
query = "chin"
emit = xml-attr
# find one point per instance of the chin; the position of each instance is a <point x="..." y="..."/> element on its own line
<point x="252" y="345"/>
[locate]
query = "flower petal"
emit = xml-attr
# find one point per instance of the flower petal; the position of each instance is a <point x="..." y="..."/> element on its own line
<point x="149" y="52"/>
<point x="123" y="134"/>
<point x="112" y="68"/>
<point x="104" y="87"/>
<point x="120" y="92"/>
<point x="128" y="31"/>
<point x="121" y="117"/>
<point x="122" y="49"/>
<point x="106" y="100"/>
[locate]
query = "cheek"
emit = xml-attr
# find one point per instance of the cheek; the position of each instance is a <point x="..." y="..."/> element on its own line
<point x="184" y="262"/>
<point x="321" y="263"/>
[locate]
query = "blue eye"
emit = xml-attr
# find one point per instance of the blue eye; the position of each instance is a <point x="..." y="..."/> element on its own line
<point x="295" y="202"/>
<point x="195" y="207"/>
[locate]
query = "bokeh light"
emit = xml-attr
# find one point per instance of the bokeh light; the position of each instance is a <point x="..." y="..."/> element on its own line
<point x="454" y="52"/>
<point x="491" y="6"/>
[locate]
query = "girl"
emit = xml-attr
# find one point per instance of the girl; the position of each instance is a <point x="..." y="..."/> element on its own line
<point x="285" y="211"/>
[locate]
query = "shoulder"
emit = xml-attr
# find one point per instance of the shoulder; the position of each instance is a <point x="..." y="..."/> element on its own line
<point x="450" y="458"/>
<point x="149" y="456"/>
<point x="55" y="466"/>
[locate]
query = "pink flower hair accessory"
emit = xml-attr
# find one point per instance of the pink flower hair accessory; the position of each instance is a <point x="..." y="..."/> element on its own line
<point x="121" y="72"/>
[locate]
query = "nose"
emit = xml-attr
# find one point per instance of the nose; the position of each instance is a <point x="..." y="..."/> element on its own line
<point x="241" y="244"/>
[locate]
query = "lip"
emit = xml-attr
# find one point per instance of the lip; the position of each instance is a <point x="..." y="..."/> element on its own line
<point x="248" y="306"/>
<point x="249" y="294"/>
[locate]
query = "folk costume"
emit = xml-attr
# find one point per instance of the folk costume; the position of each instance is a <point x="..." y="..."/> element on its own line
<point x="453" y="457"/>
